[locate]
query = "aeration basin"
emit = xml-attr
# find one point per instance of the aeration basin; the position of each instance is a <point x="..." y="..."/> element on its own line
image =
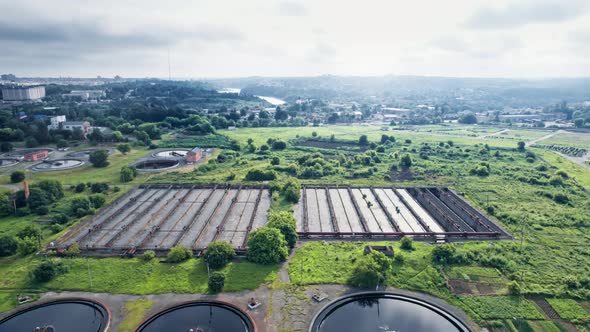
<point x="377" y="311"/>
<point x="68" y="315"/>
<point x="199" y="316"/>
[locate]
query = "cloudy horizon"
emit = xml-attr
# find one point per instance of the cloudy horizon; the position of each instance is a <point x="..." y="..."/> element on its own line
<point x="206" y="39"/>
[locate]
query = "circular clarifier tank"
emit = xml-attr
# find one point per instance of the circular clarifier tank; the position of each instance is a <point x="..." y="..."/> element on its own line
<point x="68" y="315"/>
<point x="5" y="162"/>
<point x="57" y="165"/>
<point x="176" y="153"/>
<point x="199" y="316"/>
<point x="156" y="164"/>
<point x="376" y="311"/>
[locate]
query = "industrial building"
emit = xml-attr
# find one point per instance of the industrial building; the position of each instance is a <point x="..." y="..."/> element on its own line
<point x="194" y="155"/>
<point x="23" y="93"/>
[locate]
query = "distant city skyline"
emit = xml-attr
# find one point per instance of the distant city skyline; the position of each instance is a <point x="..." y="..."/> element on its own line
<point x="218" y="39"/>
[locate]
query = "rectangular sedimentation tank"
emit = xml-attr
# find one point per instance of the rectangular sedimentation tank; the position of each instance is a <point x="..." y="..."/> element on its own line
<point x="388" y="212"/>
<point x="158" y="217"/>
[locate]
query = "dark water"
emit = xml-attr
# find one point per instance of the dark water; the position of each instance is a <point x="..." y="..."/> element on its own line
<point x="208" y="317"/>
<point x="385" y="314"/>
<point x="71" y="316"/>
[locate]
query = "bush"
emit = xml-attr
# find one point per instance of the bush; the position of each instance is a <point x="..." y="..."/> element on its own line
<point x="279" y="145"/>
<point x="17" y="176"/>
<point x="371" y="270"/>
<point x="514" y="288"/>
<point x="27" y="246"/>
<point x="407" y="243"/>
<point x="405" y="161"/>
<point x="124" y="148"/>
<point x="8" y="246"/>
<point x="99" y="187"/>
<point x="219" y="253"/>
<point x="47" y="270"/>
<point x="97" y="200"/>
<point x="561" y="198"/>
<point x="99" y="158"/>
<point x="127" y="174"/>
<point x="179" y="254"/>
<point x="275" y="161"/>
<point x="363" y="140"/>
<point x="267" y="245"/>
<point x="285" y="223"/>
<point x="216" y="282"/>
<point x="443" y="253"/>
<point x="148" y="255"/>
<point x="80" y="187"/>
<point x="260" y="175"/>
<point x="29" y="231"/>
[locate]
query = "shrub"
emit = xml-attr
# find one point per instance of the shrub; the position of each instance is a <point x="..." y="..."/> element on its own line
<point x="8" y="246"/>
<point x="127" y="174"/>
<point x="407" y="243"/>
<point x="99" y="187"/>
<point x="80" y="187"/>
<point x="47" y="270"/>
<point x="363" y="140"/>
<point x="124" y="148"/>
<point x="29" y="231"/>
<point x="285" y="223"/>
<point x="260" y="175"/>
<point x="27" y="246"/>
<point x="561" y="198"/>
<point x="279" y="145"/>
<point x="371" y="270"/>
<point x="148" y="255"/>
<point x="179" y="254"/>
<point x="443" y="253"/>
<point x="275" y="161"/>
<point x="97" y="200"/>
<point x="520" y="146"/>
<point x="17" y="176"/>
<point x="219" y="253"/>
<point x="216" y="282"/>
<point x="267" y="245"/>
<point x="514" y="288"/>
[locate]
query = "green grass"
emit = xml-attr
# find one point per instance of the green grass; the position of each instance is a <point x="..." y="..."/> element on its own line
<point x="476" y="274"/>
<point x="581" y="140"/>
<point x="569" y="309"/>
<point x="547" y="326"/>
<point x="134" y="314"/>
<point x="581" y="174"/>
<point x="500" y="307"/>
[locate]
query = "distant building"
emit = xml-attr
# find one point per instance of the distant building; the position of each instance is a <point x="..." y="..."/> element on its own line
<point x="55" y="121"/>
<point x="22" y="93"/>
<point x="37" y="155"/>
<point x="194" y="155"/>
<point x="73" y="125"/>
<point x="85" y="95"/>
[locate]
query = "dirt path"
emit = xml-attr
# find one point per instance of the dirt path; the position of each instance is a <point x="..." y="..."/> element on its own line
<point x="494" y="134"/>
<point x="529" y="143"/>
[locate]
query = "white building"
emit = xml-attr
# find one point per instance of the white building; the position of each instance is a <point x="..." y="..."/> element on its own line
<point x="86" y="94"/>
<point x="60" y="122"/>
<point x="23" y="93"/>
<point x="55" y="121"/>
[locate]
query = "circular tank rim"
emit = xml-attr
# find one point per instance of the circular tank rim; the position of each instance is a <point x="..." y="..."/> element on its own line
<point x="183" y="304"/>
<point x="322" y="313"/>
<point x="44" y="303"/>
<point x="34" y="167"/>
<point x="157" y="160"/>
<point x="16" y="161"/>
<point x="155" y="153"/>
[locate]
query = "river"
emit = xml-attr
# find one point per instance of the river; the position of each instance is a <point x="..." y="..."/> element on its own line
<point x="273" y="100"/>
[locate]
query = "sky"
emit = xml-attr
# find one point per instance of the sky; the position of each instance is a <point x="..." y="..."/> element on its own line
<point x="237" y="38"/>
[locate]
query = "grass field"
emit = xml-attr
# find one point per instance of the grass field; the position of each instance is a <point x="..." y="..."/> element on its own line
<point x="134" y="314"/>
<point x="500" y="307"/>
<point x="581" y="140"/>
<point x="581" y="174"/>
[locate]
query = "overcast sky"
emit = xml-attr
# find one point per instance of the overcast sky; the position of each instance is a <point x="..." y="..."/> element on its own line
<point x="234" y="38"/>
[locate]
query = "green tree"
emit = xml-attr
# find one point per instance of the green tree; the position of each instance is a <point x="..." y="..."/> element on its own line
<point x="179" y="254"/>
<point x="285" y="223"/>
<point x="267" y="245"/>
<point x="62" y="143"/>
<point x="124" y="148"/>
<point x="275" y="161"/>
<point x="468" y="118"/>
<point x="148" y="255"/>
<point x="30" y="230"/>
<point x="279" y="145"/>
<point x="127" y="174"/>
<point x="17" y="176"/>
<point x="6" y="147"/>
<point x="99" y="158"/>
<point x="520" y="146"/>
<point x="219" y="253"/>
<point x="47" y="270"/>
<point x="405" y="161"/>
<point x="8" y="246"/>
<point x="363" y="140"/>
<point x="216" y="282"/>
